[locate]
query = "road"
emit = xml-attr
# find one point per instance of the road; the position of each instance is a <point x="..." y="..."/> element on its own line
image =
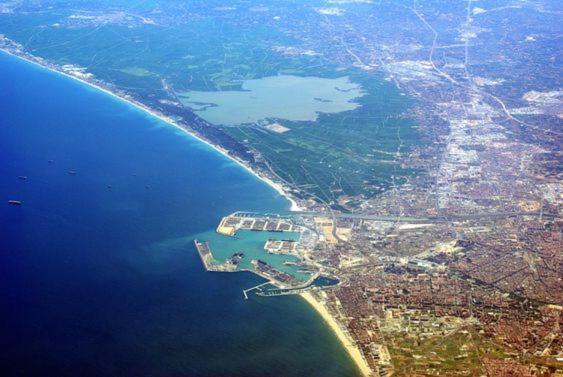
<point x="408" y="219"/>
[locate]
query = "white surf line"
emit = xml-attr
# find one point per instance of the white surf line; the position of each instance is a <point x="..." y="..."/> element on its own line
<point x="276" y="186"/>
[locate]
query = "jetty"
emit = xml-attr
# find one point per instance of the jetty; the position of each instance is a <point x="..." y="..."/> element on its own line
<point x="211" y="264"/>
<point x="284" y="291"/>
<point x="204" y="254"/>
<point x="246" y="291"/>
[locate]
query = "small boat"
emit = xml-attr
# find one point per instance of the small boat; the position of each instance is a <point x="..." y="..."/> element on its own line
<point x="15" y="202"/>
<point x="22" y="177"/>
<point x="72" y="172"/>
<point x="51" y="161"/>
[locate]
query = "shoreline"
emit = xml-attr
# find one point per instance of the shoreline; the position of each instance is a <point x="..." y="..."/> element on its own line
<point x="279" y="188"/>
<point x="344" y="338"/>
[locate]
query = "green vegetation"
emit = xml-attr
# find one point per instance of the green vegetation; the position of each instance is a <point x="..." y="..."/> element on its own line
<point x="349" y="153"/>
<point x="338" y="156"/>
<point x="461" y="351"/>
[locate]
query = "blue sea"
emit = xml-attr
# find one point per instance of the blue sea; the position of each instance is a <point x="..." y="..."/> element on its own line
<point x="98" y="274"/>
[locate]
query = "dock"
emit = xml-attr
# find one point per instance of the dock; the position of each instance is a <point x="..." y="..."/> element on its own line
<point x="285" y="291"/>
<point x="245" y="291"/>
<point x="231" y="224"/>
<point x="204" y="254"/>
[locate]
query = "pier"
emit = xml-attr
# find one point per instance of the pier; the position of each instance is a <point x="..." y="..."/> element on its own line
<point x="284" y="291"/>
<point x="245" y="291"/>
<point x="204" y="254"/>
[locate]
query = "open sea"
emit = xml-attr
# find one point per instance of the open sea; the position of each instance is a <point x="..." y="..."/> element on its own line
<point x="98" y="274"/>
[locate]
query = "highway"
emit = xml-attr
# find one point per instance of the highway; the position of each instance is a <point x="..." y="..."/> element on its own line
<point x="410" y="219"/>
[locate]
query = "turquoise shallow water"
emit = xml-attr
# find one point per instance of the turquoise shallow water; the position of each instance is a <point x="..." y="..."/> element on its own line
<point x="252" y="245"/>
<point x="104" y="281"/>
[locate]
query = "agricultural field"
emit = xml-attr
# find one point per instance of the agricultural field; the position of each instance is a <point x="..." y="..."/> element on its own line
<point x="161" y="53"/>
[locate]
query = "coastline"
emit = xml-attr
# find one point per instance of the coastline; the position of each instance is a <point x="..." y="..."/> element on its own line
<point x="345" y="339"/>
<point x="279" y="188"/>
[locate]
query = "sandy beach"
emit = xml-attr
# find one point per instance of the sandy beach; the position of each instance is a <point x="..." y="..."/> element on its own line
<point x="344" y="338"/>
<point x="275" y="185"/>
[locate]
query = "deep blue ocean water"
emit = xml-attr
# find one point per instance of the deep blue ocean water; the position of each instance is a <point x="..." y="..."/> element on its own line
<point x="104" y="281"/>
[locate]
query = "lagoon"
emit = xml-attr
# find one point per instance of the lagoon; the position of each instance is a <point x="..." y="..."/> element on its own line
<point x="287" y="97"/>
